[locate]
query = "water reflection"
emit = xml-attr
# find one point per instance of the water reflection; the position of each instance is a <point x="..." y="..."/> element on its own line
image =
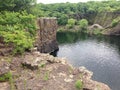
<point x="100" y="54"/>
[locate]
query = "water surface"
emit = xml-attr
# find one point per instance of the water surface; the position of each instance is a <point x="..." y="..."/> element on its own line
<point x="99" y="54"/>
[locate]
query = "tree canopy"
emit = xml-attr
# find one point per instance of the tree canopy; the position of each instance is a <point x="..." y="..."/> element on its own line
<point x="65" y="11"/>
<point x="16" y="5"/>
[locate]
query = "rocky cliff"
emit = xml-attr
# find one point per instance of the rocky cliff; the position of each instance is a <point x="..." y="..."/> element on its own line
<point x="36" y="71"/>
<point x="106" y="20"/>
<point x="46" y="39"/>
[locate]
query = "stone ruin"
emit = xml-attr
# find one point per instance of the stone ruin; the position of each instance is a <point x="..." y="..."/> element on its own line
<point x="46" y="38"/>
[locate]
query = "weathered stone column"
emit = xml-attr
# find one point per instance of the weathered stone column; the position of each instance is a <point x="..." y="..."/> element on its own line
<point x="47" y="35"/>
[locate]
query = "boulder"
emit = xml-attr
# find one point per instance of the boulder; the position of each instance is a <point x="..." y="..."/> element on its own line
<point x="95" y="26"/>
<point x="38" y="59"/>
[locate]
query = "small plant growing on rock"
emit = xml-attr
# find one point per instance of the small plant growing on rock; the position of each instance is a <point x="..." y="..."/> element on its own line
<point x="8" y="77"/>
<point x="115" y="22"/>
<point x="46" y="77"/>
<point x="5" y="77"/>
<point x="25" y="84"/>
<point x="42" y="65"/>
<point x="79" y="85"/>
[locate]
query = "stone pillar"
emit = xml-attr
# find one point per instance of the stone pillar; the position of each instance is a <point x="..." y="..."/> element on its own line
<point x="46" y="41"/>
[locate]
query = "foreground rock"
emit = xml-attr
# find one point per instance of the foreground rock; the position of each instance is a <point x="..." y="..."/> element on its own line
<point x="36" y="71"/>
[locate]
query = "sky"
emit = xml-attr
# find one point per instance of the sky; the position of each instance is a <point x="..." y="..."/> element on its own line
<point x="61" y="1"/>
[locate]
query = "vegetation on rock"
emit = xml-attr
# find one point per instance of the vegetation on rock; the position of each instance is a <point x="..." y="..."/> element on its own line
<point x="17" y="27"/>
<point x="6" y="77"/>
<point x="79" y="84"/>
<point x="19" y="30"/>
<point x="115" y="21"/>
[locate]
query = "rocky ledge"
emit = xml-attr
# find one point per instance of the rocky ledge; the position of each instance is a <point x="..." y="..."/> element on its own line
<point x="36" y="71"/>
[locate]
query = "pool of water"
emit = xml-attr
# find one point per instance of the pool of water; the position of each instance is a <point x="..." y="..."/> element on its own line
<point x="99" y="54"/>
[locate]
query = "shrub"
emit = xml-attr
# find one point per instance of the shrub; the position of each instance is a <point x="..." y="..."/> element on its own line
<point x="71" y="23"/>
<point x="115" y="22"/>
<point x="83" y="24"/>
<point x="20" y="39"/>
<point x="62" y="19"/>
<point x="5" y="77"/>
<point x="79" y="84"/>
<point x="18" y="29"/>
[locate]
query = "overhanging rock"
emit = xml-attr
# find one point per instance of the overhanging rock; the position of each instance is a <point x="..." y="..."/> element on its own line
<point x="46" y="40"/>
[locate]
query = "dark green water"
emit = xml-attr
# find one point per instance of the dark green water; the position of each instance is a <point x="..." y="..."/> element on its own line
<point x="100" y="54"/>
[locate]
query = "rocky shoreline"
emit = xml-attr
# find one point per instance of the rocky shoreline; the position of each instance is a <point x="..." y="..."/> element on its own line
<point x="37" y="71"/>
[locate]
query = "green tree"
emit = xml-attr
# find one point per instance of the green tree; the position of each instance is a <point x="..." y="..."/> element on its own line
<point x="16" y="5"/>
<point x="83" y="24"/>
<point x="21" y="5"/>
<point x="62" y="19"/>
<point x="7" y="5"/>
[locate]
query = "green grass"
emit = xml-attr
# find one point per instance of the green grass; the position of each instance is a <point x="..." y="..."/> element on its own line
<point x="42" y="65"/>
<point x="8" y="77"/>
<point x="5" y="77"/>
<point x="46" y="77"/>
<point x="25" y="84"/>
<point x="79" y="85"/>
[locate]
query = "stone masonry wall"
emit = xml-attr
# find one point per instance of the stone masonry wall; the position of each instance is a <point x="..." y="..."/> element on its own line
<point x="46" y="38"/>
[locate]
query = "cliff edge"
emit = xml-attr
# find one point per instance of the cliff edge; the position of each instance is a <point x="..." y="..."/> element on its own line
<point x="36" y="71"/>
<point x="109" y="21"/>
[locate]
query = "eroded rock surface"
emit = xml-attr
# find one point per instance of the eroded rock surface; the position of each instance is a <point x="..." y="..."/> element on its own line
<point x="4" y="67"/>
<point x="52" y="73"/>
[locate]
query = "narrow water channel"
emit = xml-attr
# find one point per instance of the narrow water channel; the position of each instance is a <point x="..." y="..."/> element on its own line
<point x="99" y="54"/>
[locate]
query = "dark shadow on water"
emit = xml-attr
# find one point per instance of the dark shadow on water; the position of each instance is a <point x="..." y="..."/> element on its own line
<point x="54" y="53"/>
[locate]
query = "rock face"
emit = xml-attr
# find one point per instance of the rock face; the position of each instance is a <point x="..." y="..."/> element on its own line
<point x="105" y="21"/>
<point x="46" y="39"/>
<point x="45" y="72"/>
<point x="4" y="67"/>
<point x="105" y="18"/>
<point x="113" y="31"/>
<point x="34" y="63"/>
